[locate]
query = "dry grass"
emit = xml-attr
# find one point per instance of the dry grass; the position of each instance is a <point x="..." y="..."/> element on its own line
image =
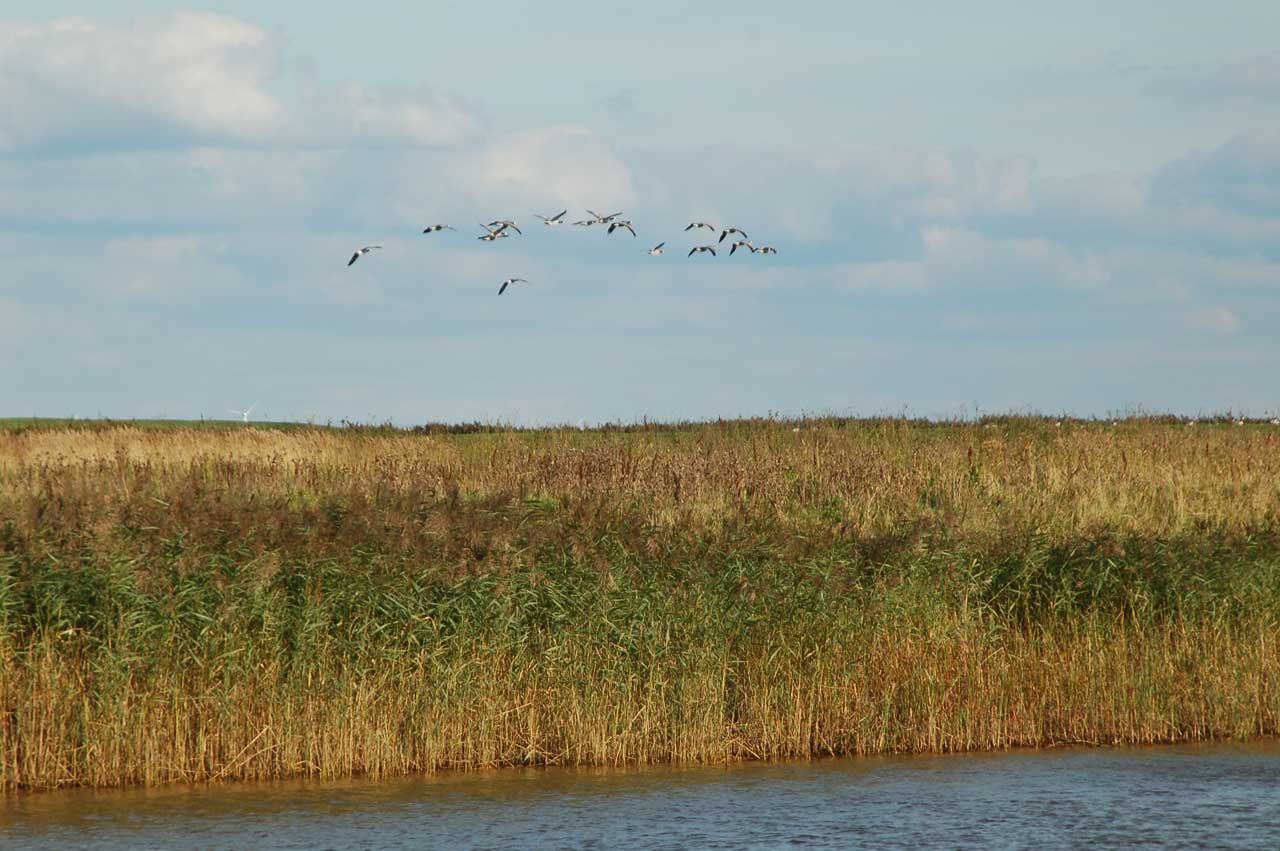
<point x="251" y="603"/>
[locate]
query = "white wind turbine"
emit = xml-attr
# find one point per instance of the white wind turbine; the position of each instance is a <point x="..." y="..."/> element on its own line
<point x="244" y="415"/>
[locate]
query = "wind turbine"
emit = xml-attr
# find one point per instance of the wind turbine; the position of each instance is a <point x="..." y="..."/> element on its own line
<point x="244" y="415"/>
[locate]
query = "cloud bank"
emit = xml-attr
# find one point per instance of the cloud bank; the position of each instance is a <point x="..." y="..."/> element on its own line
<point x="169" y="181"/>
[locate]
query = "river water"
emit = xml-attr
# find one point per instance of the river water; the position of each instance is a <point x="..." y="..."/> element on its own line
<point x="1218" y="796"/>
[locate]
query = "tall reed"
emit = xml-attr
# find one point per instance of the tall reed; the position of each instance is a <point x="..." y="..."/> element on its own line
<point x="191" y="605"/>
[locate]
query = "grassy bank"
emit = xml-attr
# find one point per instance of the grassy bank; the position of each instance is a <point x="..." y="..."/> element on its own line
<point x="193" y="604"/>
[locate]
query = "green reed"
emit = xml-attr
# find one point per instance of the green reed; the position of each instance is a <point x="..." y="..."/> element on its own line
<point x="200" y="605"/>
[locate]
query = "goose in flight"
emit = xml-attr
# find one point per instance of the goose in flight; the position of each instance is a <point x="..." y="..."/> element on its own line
<point x="693" y="225"/>
<point x="764" y="249"/>
<point x="701" y="248"/>
<point x="362" y="252"/>
<point x="508" y="282"/>
<point x="604" y="220"/>
<point x="656" y="250"/>
<point x="244" y="415"/>
<point x="739" y="231"/>
<point x="585" y="223"/>
<point x="493" y="233"/>
<point x="622" y="223"/>
<point x="501" y="224"/>
<point x="739" y="244"/>
<point x="557" y="219"/>
<point x="434" y="228"/>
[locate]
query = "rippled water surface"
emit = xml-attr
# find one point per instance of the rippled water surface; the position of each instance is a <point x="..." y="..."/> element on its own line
<point x="1217" y="796"/>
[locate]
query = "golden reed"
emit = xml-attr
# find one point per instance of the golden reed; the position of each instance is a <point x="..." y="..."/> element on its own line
<point x="195" y="605"/>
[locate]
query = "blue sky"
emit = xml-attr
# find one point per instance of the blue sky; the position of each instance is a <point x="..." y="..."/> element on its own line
<point x="1005" y="207"/>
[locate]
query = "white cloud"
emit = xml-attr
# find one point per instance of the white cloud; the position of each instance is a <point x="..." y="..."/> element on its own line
<point x="568" y="165"/>
<point x="958" y="257"/>
<point x="190" y="72"/>
<point x="1239" y="178"/>
<point x="192" y="77"/>
<point x="1219" y="320"/>
<point x="359" y="114"/>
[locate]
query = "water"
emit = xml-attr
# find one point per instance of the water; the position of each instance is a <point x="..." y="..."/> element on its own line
<point x="1214" y="796"/>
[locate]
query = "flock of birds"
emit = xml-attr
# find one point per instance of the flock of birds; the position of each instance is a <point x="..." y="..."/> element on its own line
<point x="501" y="229"/>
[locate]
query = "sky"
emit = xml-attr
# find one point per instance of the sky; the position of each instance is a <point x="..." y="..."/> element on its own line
<point x="978" y="208"/>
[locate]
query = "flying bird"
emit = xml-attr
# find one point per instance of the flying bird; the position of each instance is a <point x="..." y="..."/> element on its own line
<point x="764" y="249"/>
<point x="505" y="223"/>
<point x="434" y="228"/>
<point x="604" y="220"/>
<point x="557" y="219"/>
<point x="701" y="248"/>
<point x="622" y="223"/>
<point x="362" y="252"/>
<point x="693" y="225"/>
<point x="728" y="231"/>
<point x="508" y="282"/>
<point x="493" y="233"/>
<point x="739" y="244"/>
<point x="656" y="250"/>
<point x="585" y="223"/>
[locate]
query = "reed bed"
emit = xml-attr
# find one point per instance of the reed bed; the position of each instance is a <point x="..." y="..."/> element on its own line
<point x="250" y="603"/>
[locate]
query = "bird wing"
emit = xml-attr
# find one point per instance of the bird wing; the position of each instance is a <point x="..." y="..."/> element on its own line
<point x="712" y="250"/>
<point x="502" y="289"/>
<point x="723" y="234"/>
<point x="560" y="216"/>
<point x="660" y="244"/>
<point x="691" y="250"/>
<point x="251" y="407"/>
<point x="514" y="228"/>
<point x="354" y="258"/>
<point x="630" y="228"/>
<point x="691" y="226"/>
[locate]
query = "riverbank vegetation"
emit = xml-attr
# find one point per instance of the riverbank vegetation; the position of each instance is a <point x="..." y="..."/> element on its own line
<point x="192" y="604"/>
